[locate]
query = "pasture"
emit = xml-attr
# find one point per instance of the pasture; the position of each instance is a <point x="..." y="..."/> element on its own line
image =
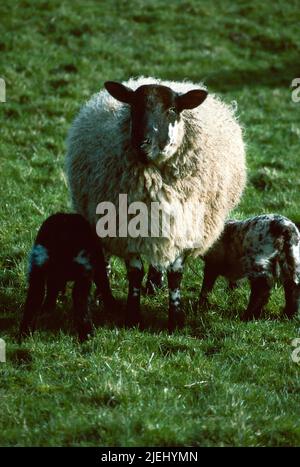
<point x="219" y="381"/>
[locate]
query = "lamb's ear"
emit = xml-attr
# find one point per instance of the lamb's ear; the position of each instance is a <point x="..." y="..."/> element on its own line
<point x="119" y="91"/>
<point x="191" y="99"/>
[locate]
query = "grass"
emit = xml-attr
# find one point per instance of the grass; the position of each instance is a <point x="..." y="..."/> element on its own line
<point x="219" y="382"/>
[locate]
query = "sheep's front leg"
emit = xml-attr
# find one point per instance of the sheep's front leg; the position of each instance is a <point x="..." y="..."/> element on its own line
<point x="260" y="294"/>
<point x="176" y="316"/>
<point x="154" y="280"/>
<point x="135" y="272"/>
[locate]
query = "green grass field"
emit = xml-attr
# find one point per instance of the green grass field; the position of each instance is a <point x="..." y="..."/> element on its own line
<point x="219" y="382"/>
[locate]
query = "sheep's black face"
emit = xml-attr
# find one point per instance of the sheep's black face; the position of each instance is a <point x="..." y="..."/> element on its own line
<point x="154" y="119"/>
<point x="156" y="124"/>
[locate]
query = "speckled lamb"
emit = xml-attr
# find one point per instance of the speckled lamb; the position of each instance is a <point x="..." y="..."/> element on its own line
<point x="263" y="249"/>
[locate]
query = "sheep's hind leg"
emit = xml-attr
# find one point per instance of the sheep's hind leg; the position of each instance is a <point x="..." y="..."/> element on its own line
<point x="135" y="273"/>
<point x="154" y="280"/>
<point x="176" y="315"/>
<point x="260" y="294"/>
<point x="292" y="298"/>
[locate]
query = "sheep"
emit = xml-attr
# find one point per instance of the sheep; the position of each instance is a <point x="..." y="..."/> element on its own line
<point x="157" y="141"/>
<point x="65" y="249"/>
<point x="263" y="249"/>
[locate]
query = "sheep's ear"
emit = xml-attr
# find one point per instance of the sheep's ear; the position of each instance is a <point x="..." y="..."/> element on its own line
<point x="119" y="91"/>
<point x="191" y="99"/>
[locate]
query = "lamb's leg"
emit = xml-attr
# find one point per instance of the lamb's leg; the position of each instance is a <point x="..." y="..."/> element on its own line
<point x="209" y="279"/>
<point x="292" y="298"/>
<point x="62" y="291"/>
<point x="154" y="280"/>
<point x="135" y="273"/>
<point x="34" y="301"/>
<point x="260" y="294"/>
<point x="176" y="315"/>
<point x="53" y="289"/>
<point x="81" y="290"/>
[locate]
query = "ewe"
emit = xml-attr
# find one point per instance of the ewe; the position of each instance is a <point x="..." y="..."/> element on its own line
<point x="164" y="142"/>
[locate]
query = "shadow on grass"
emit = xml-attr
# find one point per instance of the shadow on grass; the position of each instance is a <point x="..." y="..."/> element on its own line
<point x="152" y="319"/>
<point x="199" y="322"/>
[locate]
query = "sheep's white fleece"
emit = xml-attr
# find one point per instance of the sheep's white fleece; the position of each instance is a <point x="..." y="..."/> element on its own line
<point x="208" y="168"/>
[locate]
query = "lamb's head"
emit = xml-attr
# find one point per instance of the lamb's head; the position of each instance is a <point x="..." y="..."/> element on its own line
<point x="156" y="123"/>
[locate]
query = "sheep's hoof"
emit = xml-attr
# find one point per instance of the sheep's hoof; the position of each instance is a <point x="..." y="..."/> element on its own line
<point x="176" y="321"/>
